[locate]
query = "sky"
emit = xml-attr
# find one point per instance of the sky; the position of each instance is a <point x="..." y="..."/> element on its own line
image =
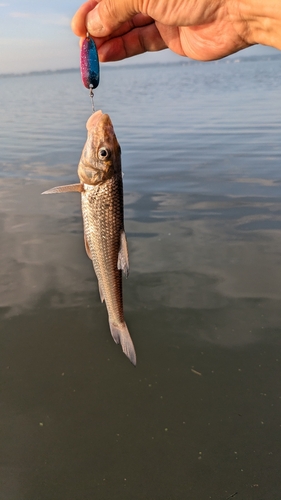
<point x="36" y="35"/>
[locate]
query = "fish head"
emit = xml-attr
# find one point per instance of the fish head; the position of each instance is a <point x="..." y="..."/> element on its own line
<point x="101" y="156"/>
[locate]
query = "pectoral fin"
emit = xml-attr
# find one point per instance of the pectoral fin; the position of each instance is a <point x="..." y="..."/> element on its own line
<point x="123" y="256"/>
<point x="65" y="189"/>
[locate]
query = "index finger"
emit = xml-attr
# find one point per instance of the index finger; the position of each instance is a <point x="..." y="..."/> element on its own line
<point x="78" y="23"/>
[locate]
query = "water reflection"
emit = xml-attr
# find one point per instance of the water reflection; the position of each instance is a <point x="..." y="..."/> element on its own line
<point x="186" y="254"/>
<point x="203" y="306"/>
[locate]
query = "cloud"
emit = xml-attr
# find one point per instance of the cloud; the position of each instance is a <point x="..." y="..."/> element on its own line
<point x="4" y="4"/>
<point x="42" y="18"/>
<point x="21" y="14"/>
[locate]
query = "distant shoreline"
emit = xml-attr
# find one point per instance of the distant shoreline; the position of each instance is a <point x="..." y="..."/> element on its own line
<point x="40" y="72"/>
<point x="236" y="58"/>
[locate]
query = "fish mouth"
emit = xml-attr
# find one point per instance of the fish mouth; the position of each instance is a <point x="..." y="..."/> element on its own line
<point x="98" y="118"/>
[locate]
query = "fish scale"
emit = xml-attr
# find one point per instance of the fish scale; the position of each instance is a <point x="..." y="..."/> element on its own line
<point x="102" y="212"/>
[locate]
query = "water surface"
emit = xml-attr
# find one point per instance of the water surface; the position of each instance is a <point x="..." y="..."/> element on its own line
<point x="199" y="418"/>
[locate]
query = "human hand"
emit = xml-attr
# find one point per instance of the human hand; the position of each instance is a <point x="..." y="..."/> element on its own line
<point x="200" y="29"/>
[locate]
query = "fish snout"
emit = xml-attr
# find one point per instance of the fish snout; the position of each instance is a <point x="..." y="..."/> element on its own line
<point x="98" y="120"/>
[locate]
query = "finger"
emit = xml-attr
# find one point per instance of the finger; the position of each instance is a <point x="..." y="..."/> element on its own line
<point x="78" y="23"/>
<point x="135" y="42"/>
<point x="138" y="21"/>
<point x="107" y="17"/>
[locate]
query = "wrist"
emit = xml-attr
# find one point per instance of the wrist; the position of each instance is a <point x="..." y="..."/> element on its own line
<point x="259" y="21"/>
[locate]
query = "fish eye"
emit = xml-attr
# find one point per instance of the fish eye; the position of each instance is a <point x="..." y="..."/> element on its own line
<point x="104" y="153"/>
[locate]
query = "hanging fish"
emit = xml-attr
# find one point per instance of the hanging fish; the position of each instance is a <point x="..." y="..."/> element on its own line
<point x="101" y="189"/>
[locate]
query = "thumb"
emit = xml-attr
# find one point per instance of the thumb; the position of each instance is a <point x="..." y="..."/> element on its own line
<point x="109" y="15"/>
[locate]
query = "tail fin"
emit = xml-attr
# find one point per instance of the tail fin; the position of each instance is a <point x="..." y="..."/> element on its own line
<point x="120" y="334"/>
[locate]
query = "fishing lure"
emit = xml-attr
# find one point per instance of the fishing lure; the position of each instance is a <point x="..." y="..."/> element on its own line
<point x="89" y="66"/>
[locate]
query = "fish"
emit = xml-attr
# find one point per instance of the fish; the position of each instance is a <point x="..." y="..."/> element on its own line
<point x="101" y="188"/>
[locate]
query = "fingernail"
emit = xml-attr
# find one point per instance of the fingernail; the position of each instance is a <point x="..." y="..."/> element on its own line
<point x="93" y="22"/>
